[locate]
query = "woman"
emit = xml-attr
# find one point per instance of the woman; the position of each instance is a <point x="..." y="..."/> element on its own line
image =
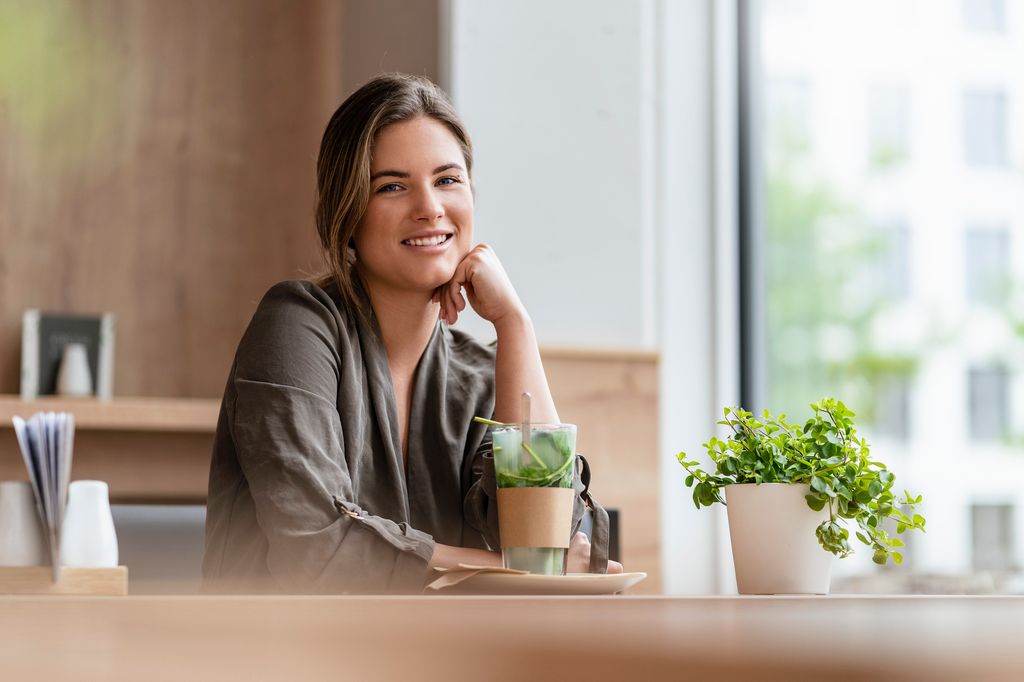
<point x="346" y="458"/>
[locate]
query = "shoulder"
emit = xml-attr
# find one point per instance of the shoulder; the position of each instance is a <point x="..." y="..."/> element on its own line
<point x="295" y="321"/>
<point x="295" y="306"/>
<point x="296" y="294"/>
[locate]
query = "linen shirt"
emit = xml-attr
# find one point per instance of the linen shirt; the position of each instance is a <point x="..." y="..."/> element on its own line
<point x="308" y="491"/>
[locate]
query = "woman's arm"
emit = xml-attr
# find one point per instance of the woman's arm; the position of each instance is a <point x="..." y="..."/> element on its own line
<point x="578" y="561"/>
<point x="518" y="369"/>
<point x="518" y="366"/>
<point x="446" y="556"/>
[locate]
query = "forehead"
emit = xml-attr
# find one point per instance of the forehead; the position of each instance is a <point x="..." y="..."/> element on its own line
<point x="409" y="145"/>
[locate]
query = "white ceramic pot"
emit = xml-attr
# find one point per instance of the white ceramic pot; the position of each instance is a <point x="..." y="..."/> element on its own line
<point x="774" y="546"/>
<point x="88" y="537"/>
<point x="21" y="531"/>
<point x="74" y="377"/>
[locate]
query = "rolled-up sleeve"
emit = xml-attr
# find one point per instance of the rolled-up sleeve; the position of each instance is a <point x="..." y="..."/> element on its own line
<point x="289" y="439"/>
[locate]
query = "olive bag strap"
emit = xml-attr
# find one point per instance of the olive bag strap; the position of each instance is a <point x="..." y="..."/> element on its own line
<point x="599" y="535"/>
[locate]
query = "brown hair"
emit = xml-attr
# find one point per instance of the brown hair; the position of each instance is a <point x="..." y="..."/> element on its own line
<point x="343" y="166"/>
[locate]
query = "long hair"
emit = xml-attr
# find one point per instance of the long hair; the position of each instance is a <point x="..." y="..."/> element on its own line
<point x="343" y="165"/>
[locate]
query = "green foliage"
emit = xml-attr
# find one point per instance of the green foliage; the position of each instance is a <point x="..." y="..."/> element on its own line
<point x="552" y="457"/>
<point x="888" y="156"/>
<point x="827" y="455"/>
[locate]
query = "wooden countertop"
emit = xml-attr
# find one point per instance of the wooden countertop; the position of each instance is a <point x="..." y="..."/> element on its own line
<point x="512" y="638"/>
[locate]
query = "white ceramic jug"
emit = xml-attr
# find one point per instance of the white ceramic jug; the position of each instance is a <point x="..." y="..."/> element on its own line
<point x="88" y="537"/>
<point x="74" y="377"/>
<point x="21" y="532"/>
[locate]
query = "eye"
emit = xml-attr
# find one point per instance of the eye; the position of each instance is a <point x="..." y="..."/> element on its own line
<point x="390" y="187"/>
<point x="454" y="180"/>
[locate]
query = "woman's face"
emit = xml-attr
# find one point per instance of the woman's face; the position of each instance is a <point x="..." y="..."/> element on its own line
<point x="418" y="224"/>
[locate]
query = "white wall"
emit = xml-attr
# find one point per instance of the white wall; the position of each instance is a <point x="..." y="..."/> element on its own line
<point x="593" y="125"/>
<point x="557" y="98"/>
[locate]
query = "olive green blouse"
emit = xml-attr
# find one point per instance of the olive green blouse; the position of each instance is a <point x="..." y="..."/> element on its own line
<point x="308" y="491"/>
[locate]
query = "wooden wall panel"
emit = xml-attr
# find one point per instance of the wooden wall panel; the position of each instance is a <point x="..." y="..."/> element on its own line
<point x="375" y="40"/>
<point x="613" y="400"/>
<point x="158" y="162"/>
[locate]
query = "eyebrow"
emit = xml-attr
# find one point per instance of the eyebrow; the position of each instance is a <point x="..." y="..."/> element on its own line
<point x="403" y="174"/>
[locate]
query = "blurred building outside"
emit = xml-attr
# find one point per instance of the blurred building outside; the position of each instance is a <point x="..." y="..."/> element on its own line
<point x="893" y="210"/>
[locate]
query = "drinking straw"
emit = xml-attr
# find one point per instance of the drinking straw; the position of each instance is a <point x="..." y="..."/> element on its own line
<point x="525" y="426"/>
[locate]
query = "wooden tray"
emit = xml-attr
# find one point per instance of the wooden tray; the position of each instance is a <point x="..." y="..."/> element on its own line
<point x="38" y="580"/>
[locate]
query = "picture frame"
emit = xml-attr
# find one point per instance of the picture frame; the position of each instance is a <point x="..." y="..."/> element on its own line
<point x="44" y="337"/>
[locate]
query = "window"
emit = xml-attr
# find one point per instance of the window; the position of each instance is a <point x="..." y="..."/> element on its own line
<point x="992" y="540"/>
<point x="988" y="16"/>
<point x="883" y="269"/>
<point x="984" y="128"/>
<point x="872" y="179"/>
<point x="888" y="125"/>
<point x="890" y="262"/>
<point x="988" y="409"/>
<point x="893" y="416"/>
<point x="987" y="268"/>
<point x="789" y="114"/>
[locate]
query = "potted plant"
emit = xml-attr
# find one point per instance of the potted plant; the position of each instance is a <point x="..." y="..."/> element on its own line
<point x="782" y="482"/>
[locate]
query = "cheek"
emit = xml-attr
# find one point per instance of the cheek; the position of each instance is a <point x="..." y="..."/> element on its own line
<point x="463" y="215"/>
<point x="371" y="234"/>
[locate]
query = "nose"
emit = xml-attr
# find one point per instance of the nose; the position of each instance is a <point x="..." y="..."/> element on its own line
<point x="428" y="206"/>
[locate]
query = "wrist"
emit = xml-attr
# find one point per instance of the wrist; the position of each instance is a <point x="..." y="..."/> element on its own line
<point x="515" y="320"/>
<point x="449" y="556"/>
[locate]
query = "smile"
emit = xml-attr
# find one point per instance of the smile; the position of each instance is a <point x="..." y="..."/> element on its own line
<point x="428" y="242"/>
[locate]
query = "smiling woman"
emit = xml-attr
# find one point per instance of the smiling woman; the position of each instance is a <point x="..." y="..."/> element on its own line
<point x="418" y="223"/>
<point x="346" y="456"/>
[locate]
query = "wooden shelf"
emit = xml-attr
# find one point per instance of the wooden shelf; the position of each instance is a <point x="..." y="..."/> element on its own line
<point x="182" y="415"/>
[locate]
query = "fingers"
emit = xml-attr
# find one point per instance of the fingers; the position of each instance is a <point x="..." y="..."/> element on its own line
<point x="455" y="303"/>
<point x="579" y="555"/>
<point x="580" y="542"/>
<point x="436" y="297"/>
<point x="450" y="294"/>
<point x="448" y="311"/>
<point x="462" y="275"/>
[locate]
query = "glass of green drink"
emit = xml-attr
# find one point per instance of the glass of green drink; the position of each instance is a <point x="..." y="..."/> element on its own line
<point x="535" y="494"/>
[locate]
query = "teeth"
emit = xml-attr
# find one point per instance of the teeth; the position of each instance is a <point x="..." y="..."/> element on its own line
<point x="432" y="241"/>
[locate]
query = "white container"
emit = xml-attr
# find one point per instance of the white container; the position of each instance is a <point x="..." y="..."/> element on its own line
<point x="88" y="539"/>
<point x="21" y="531"/>
<point x="774" y="546"/>
<point x="74" y="378"/>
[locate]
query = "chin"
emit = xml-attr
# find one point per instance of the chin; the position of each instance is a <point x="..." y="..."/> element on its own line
<point x="435" y="282"/>
<point x="437" y="275"/>
<point x="423" y="282"/>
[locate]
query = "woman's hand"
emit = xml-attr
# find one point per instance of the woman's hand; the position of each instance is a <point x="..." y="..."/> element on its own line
<point x="489" y="289"/>
<point x="578" y="560"/>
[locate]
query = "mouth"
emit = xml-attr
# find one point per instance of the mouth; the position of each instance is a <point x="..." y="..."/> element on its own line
<point x="432" y="242"/>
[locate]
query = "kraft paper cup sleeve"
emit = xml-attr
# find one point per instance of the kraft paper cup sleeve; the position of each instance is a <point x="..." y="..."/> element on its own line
<point x="535" y="517"/>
